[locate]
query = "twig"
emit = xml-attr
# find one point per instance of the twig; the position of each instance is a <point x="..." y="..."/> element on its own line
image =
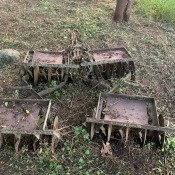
<point x="63" y="104"/>
<point x="48" y="91"/>
<point x="97" y="83"/>
<point x="63" y="128"/>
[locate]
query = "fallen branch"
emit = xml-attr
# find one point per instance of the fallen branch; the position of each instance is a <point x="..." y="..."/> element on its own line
<point x="119" y="83"/>
<point x="51" y="90"/>
<point x="96" y="83"/>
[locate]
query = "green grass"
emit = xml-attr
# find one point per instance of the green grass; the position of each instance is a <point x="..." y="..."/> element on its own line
<point x="159" y="9"/>
<point x="75" y="156"/>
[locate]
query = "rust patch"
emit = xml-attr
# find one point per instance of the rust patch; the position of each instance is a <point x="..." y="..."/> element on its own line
<point x="125" y="110"/>
<point x="47" y="58"/>
<point x="109" y="55"/>
<point x="19" y="116"/>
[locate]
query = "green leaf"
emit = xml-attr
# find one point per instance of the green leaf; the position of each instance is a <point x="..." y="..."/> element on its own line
<point x="27" y="111"/>
<point x="81" y="160"/>
<point x="86" y="136"/>
<point x="40" y="151"/>
<point x="87" y="152"/>
<point x="6" y="104"/>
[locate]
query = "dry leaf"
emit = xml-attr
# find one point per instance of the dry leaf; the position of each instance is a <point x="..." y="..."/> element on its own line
<point x="27" y="111"/>
<point x="6" y="104"/>
<point x="106" y="150"/>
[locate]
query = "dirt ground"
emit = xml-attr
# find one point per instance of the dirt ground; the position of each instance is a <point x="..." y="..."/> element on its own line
<point x="47" y="25"/>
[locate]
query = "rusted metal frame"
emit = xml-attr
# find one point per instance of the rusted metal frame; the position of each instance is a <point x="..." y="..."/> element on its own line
<point x="111" y="49"/>
<point x="24" y="132"/>
<point x="146" y="127"/>
<point x="47" y="116"/>
<point x="154" y="113"/>
<point x="99" y="107"/>
<point x="112" y="70"/>
<point x="109" y="61"/>
<point x="36" y="74"/>
<point x="132" y="70"/>
<point x="33" y="92"/>
<point x="119" y="69"/>
<point x="49" y="74"/>
<point x="97" y="115"/>
<point x="108" y="71"/>
<point x="56" y="135"/>
<point x="17" y="139"/>
<point x="44" y="101"/>
<point x="161" y="121"/>
<point x="18" y="133"/>
<point x="97" y="71"/>
<point x="27" y="55"/>
<point x="148" y="99"/>
<point x="1" y="140"/>
<point x="92" y="130"/>
<point x="49" y="52"/>
<point x="31" y="53"/>
<point x="51" y="65"/>
<point x="109" y="132"/>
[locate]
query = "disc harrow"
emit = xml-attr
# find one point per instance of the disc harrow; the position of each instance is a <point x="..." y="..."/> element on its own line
<point x="21" y="117"/>
<point x="77" y="61"/>
<point x="28" y="114"/>
<point x="122" y="115"/>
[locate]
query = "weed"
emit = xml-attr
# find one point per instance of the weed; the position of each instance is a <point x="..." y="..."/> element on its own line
<point x="79" y="130"/>
<point x="44" y="4"/>
<point x="170" y="144"/>
<point x="53" y="83"/>
<point x="150" y="145"/>
<point x="121" y="90"/>
<point x="57" y="94"/>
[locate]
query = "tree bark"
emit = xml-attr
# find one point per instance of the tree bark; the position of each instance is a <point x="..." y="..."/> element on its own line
<point x="122" y="10"/>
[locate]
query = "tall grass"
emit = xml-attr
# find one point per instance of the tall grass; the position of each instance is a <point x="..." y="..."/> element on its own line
<point x="159" y="9"/>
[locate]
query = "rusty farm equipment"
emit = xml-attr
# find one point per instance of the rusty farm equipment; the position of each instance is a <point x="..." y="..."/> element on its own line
<point x="126" y="115"/>
<point x="77" y="61"/>
<point x="26" y="117"/>
<point x="27" y="113"/>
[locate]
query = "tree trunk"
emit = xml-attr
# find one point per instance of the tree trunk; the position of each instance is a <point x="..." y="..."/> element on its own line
<point x="122" y="10"/>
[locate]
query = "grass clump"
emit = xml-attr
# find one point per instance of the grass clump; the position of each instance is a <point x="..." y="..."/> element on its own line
<point x="158" y="9"/>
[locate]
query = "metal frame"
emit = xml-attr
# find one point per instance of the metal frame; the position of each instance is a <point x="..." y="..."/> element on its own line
<point x="37" y="133"/>
<point x="158" y="131"/>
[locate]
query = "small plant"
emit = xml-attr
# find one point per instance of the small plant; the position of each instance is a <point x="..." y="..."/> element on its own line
<point x="170" y="144"/>
<point x="57" y="94"/>
<point x="6" y="104"/>
<point x="53" y="83"/>
<point x="80" y="130"/>
<point x="121" y="90"/>
<point x="44" y="4"/>
<point x="150" y="145"/>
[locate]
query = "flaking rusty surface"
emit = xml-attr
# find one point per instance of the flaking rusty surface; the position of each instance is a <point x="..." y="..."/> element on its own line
<point x="110" y="54"/>
<point x="19" y="116"/>
<point x="126" y="110"/>
<point x="47" y="58"/>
